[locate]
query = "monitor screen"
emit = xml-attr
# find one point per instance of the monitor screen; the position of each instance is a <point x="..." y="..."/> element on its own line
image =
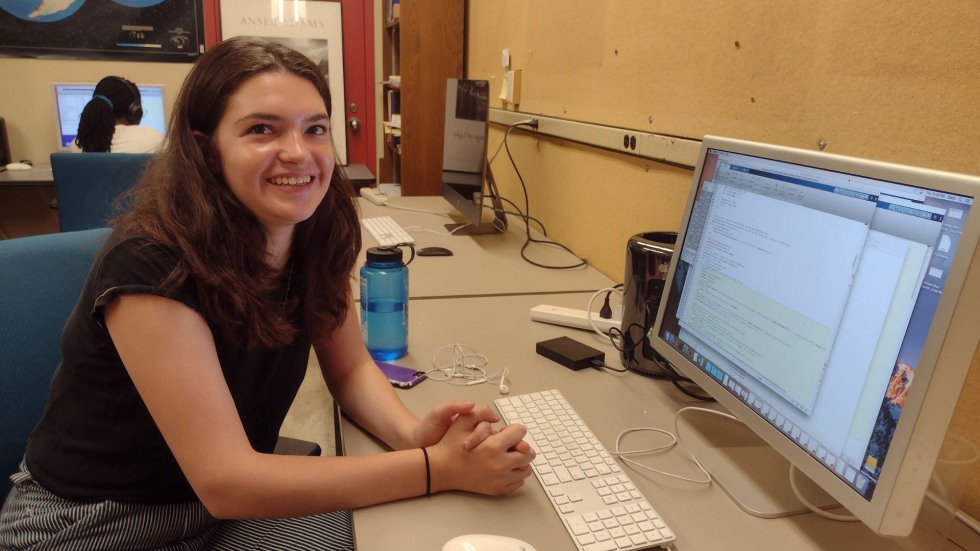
<point x="71" y="98"/>
<point x="464" y="157"/>
<point x="813" y="296"/>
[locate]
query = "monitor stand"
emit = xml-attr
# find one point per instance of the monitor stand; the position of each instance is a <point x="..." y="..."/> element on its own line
<point x="757" y="479"/>
<point x="497" y="225"/>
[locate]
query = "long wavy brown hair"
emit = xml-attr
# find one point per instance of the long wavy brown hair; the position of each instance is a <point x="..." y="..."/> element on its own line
<point x="184" y="205"/>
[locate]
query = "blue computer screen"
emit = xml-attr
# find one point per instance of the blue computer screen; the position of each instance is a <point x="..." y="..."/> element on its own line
<point x="70" y="99"/>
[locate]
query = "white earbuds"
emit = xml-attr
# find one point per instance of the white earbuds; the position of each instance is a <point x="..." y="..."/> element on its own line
<point x="504" y="389"/>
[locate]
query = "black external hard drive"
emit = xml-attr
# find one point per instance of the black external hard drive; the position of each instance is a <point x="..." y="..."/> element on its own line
<point x="571" y="353"/>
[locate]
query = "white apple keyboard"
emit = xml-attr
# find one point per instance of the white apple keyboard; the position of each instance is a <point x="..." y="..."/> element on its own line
<point x="601" y="508"/>
<point x="386" y="231"/>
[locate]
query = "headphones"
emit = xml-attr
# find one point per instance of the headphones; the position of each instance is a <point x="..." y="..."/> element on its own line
<point x="468" y="365"/>
<point x="134" y="112"/>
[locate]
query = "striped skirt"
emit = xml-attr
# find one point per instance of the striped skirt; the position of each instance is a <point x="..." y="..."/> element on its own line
<point x="34" y="518"/>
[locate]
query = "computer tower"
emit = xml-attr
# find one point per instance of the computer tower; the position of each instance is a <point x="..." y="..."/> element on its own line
<point x="648" y="257"/>
<point x="4" y="145"/>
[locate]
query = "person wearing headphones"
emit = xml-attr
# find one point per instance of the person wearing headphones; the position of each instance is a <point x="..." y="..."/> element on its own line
<point x="110" y="121"/>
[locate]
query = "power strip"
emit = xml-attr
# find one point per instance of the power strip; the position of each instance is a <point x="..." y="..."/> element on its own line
<point x="375" y="196"/>
<point x="571" y="317"/>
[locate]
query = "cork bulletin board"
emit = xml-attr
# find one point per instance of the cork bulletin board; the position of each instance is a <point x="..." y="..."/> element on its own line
<point x="896" y="82"/>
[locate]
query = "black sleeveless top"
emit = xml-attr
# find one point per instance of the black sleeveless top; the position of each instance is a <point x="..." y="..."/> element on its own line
<point x="96" y="439"/>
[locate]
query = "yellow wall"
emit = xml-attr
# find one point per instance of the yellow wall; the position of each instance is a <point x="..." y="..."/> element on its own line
<point x="896" y="82"/>
<point x="27" y="98"/>
<point x="891" y="81"/>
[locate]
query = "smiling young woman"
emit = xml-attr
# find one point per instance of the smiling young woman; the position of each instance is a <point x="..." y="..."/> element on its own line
<point x="193" y="334"/>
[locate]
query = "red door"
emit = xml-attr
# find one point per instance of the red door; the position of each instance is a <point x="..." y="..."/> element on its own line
<point x="359" y="88"/>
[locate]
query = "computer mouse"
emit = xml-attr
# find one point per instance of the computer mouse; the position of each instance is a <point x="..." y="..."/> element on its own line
<point x="486" y="542"/>
<point x="18" y="166"/>
<point x="434" y="251"/>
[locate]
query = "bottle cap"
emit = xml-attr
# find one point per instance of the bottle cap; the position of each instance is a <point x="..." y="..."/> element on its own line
<point x="384" y="254"/>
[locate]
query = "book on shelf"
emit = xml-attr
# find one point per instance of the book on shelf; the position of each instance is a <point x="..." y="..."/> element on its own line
<point x="393" y="137"/>
<point x="393" y="102"/>
<point x="392" y="11"/>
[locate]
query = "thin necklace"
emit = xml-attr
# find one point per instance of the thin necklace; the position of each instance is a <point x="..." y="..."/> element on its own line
<point x="289" y="282"/>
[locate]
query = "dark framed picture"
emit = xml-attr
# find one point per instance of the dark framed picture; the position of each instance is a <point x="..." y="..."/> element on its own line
<point x="124" y="30"/>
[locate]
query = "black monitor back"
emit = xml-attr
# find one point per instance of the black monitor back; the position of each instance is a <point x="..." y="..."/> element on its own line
<point x="4" y="145"/>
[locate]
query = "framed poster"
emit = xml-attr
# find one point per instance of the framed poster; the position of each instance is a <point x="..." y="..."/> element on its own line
<point x="121" y="30"/>
<point x="313" y="28"/>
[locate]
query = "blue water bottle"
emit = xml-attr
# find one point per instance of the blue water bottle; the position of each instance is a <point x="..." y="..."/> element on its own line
<point x="384" y="303"/>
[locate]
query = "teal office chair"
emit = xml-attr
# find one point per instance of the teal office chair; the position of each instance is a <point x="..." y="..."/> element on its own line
<point x="87" y="184"/>
<point x="41" y="278"/>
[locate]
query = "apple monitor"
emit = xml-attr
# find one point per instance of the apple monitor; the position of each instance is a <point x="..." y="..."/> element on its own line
<point x="829" y="303"/>
<point x="467" y="182"/>
<point x="4" y="145"/>
<point x="71" y="98"/>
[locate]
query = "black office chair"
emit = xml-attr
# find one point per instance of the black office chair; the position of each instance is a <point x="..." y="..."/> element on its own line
<point x="87" y="185"/>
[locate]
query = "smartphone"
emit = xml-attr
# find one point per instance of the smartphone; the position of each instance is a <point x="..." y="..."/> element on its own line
<point x="401" y="377"/>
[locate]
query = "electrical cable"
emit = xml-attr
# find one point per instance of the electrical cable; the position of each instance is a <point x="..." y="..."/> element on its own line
<point x="675" y="439"/>
<point x="677" y="431"/>
<point x="527" y="122"/>
<point x="813" y="508"/>
<point x="626" y="344"/>
<point x="602" y="365"/>
<point x="424" y="211"/>
<point x="588" y="309"/>
<point x="529" y="239"/>
<point x="517" y="212"/>
<point x="792" y="469"/>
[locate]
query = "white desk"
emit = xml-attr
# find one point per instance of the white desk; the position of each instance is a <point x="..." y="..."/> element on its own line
<point x="703" y="517"/>
<point x="359" y="175"/>
<point x="38" y="175"/>
<point x="481" y="265"/>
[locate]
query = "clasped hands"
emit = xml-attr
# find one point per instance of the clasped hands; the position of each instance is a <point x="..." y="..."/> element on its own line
<point x="468" y="453"/>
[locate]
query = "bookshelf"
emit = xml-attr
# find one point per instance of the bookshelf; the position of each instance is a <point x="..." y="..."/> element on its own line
<point x="422" y="46"/>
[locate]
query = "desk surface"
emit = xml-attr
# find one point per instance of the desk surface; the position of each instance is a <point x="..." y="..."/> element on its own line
<point x="38" y="175"/>
<point x="359" y="175"/>
<point x="703" y="517"/>
<point x="481" y="265"/>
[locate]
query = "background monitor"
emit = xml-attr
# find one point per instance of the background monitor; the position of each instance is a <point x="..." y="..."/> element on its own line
<point x="464" y="158"/>
<point x="71" y="98"/>
<point x="828" y="303"/>
<point x="5" y="157"/>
